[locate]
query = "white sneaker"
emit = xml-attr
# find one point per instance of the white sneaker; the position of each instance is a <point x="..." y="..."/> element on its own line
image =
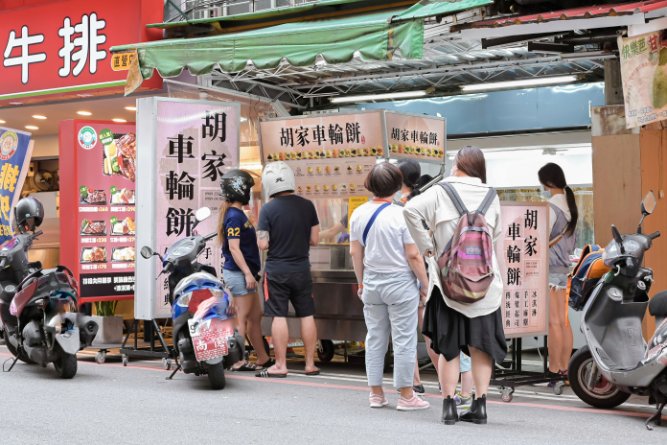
<point x="413" y="404"/>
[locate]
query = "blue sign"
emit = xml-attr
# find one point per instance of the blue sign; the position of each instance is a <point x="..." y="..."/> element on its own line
<point x="14" y="154"/>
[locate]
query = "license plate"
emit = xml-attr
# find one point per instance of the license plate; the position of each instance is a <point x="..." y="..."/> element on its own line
<point x="209" y="338"/>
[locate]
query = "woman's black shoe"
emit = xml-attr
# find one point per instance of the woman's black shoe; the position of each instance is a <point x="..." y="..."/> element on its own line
<point x="449" y="414"/>
<point x="477" y="412"/>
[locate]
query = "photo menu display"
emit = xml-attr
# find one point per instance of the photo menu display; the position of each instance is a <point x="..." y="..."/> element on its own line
<point x="105" y="208"/>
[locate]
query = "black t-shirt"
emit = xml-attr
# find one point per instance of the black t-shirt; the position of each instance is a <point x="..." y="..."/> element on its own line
<point x="289" y="220"/>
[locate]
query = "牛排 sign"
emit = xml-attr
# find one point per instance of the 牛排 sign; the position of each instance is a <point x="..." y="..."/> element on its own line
<point x="63" y="47"/>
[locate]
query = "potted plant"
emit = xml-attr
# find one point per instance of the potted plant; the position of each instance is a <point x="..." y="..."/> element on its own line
<point x="110" y="326"/>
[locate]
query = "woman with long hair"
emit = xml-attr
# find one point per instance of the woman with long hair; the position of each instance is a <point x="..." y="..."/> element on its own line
<point x="472" y="328"/>
<point x="242" y="263"/>
<point x="563" y="216"/>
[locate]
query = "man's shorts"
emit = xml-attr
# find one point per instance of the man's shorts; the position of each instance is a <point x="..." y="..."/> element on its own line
<point x="282" y="288"/>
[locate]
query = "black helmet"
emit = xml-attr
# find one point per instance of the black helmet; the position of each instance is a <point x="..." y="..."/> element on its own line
<point x="236" y="185"/>
<point x="28" y="214"/>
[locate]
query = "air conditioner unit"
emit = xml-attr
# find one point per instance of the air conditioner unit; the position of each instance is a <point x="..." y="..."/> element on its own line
<point x="202" y="9"/>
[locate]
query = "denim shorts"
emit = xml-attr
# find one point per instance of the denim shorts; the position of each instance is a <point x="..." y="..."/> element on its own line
<point x="464" y="363"/>
<point x="235" y="282"/>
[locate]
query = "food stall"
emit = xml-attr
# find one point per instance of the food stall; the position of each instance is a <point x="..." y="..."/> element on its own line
<point x="331" y="154"/>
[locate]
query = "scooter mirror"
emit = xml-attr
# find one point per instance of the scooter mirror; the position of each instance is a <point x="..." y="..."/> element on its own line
<point x="648" y="203"/>
<point x="617" y="235"/>
<point x="146" y="252"/>
<point x="202" y="213"/>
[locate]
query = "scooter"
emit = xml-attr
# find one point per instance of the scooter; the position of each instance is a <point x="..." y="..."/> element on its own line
<point x="205" y="338"/>
<point x="40" y="315"/>
<point x="617" y="362"/>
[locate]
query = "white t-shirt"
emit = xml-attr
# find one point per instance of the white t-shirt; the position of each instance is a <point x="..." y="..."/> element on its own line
<point x="560" y="201"/>
<point x="385" y="245"/>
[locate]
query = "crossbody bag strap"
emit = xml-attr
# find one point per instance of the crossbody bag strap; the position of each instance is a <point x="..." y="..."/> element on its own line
<point x="372" y="220"/>
<point x="556" y="240"/>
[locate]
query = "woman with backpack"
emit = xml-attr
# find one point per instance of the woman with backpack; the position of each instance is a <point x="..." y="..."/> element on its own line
<point x="563" y="216"/>
<point x="463" y="310"/>
<point x="389" y="269"/>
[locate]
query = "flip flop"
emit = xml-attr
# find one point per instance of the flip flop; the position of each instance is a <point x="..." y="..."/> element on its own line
<point x="312" y="373"/>
<point x="246" y="367"/>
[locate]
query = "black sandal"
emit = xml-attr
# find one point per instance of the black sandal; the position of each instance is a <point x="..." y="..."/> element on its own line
<point x="245" y="367"/>
<point x="267" y="364"/>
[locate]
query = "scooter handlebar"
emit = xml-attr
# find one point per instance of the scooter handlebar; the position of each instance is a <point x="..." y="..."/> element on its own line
<point x="654" y="235"/>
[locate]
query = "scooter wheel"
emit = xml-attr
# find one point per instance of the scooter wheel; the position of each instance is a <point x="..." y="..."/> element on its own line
<point x="602" y="393"/>
<point x="325" y="351"/>
<point x="216" y="376"/>
<point x="166" y="363"/>
<point x="101" y="357"/>
<point x="125" y="359"/>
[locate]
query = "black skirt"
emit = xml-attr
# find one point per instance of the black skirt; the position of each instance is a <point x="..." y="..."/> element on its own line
<point x="451" y="332"/>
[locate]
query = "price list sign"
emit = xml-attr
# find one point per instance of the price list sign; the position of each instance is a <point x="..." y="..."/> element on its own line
<point x="526" y="259"/>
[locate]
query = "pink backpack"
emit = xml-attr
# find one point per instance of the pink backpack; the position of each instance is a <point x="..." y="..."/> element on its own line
<point x="466" y="264"/>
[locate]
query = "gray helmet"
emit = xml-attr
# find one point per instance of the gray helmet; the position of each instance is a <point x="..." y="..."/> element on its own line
<point x="28" y="214"/>
<point x="236" y="186"/>
<point x="278" y="177"/>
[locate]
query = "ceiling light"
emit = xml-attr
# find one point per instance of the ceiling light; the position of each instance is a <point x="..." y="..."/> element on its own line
<point x="31" y="127"/>
<point x="513" y="84"/>
<point x="371" y="97"/>
<point x="119" y="120"/>
<point x="39" y="116"/>
<point x="131" y="108"/>
<point x="84" y="113"/>
<point x="2" y="121"/>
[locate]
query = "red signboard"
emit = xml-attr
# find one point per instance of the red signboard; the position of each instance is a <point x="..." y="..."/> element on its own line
<point x="63" y="47"/>
<point x="97" y="206"/>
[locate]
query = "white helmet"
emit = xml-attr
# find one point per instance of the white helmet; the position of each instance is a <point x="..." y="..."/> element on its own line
<point x="277" y="177"/>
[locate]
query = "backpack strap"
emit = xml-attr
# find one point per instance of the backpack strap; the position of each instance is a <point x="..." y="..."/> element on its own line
<point x="488" y="200"/>
<point x="454" y="196"/>
<point x="372" y="220"/>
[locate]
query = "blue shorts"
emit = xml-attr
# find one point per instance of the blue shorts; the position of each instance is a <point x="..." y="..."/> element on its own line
<point x="235" y="282"/>
<point x="464" y="364"/>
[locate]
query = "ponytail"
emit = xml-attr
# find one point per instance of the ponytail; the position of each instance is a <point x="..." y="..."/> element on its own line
<point x="222" y="236"/>
<point x="574" y="212"/>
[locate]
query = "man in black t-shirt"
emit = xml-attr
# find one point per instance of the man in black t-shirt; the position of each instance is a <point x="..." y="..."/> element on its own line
<point x="288" y="226"/>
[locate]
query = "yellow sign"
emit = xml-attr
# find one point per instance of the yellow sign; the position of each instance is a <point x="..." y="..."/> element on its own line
<point x="122" y="61"/>
<point x="352" y="204"/>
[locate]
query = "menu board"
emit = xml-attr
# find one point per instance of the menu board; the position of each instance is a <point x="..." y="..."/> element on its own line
<point x="331" y="155"/>
<point x="98" y="226"/>
<point x="526" y="258"/>
<point x="417" y="137"/>
<point x="186" y="148"/>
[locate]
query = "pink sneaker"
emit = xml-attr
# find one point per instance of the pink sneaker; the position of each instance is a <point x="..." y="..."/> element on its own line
<point x="377" y="401"/>
<point x="413" y="404"/>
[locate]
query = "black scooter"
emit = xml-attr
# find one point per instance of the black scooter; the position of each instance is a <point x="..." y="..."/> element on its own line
<point x="39" y="310"/>
<point x="617" y="362"/>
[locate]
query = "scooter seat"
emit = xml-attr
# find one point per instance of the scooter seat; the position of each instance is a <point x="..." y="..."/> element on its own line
<point x="658" y="305"/>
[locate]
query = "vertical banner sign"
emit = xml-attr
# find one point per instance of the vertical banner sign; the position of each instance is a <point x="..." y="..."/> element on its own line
<point x="98" y="173"/>
<point x="417" y="137"/>
<point x="186" y="147"/>
<point x="15" y="152"/>
<point x="644" y="76"/>
<point x="330" y="154"/>
<point x="526" y="258"/>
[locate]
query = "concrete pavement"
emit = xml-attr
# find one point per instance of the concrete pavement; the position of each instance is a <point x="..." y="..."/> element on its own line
<point x="110" y="404"/>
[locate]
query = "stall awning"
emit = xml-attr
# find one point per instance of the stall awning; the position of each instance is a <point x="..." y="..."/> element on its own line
<point x="378" y="36"/>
